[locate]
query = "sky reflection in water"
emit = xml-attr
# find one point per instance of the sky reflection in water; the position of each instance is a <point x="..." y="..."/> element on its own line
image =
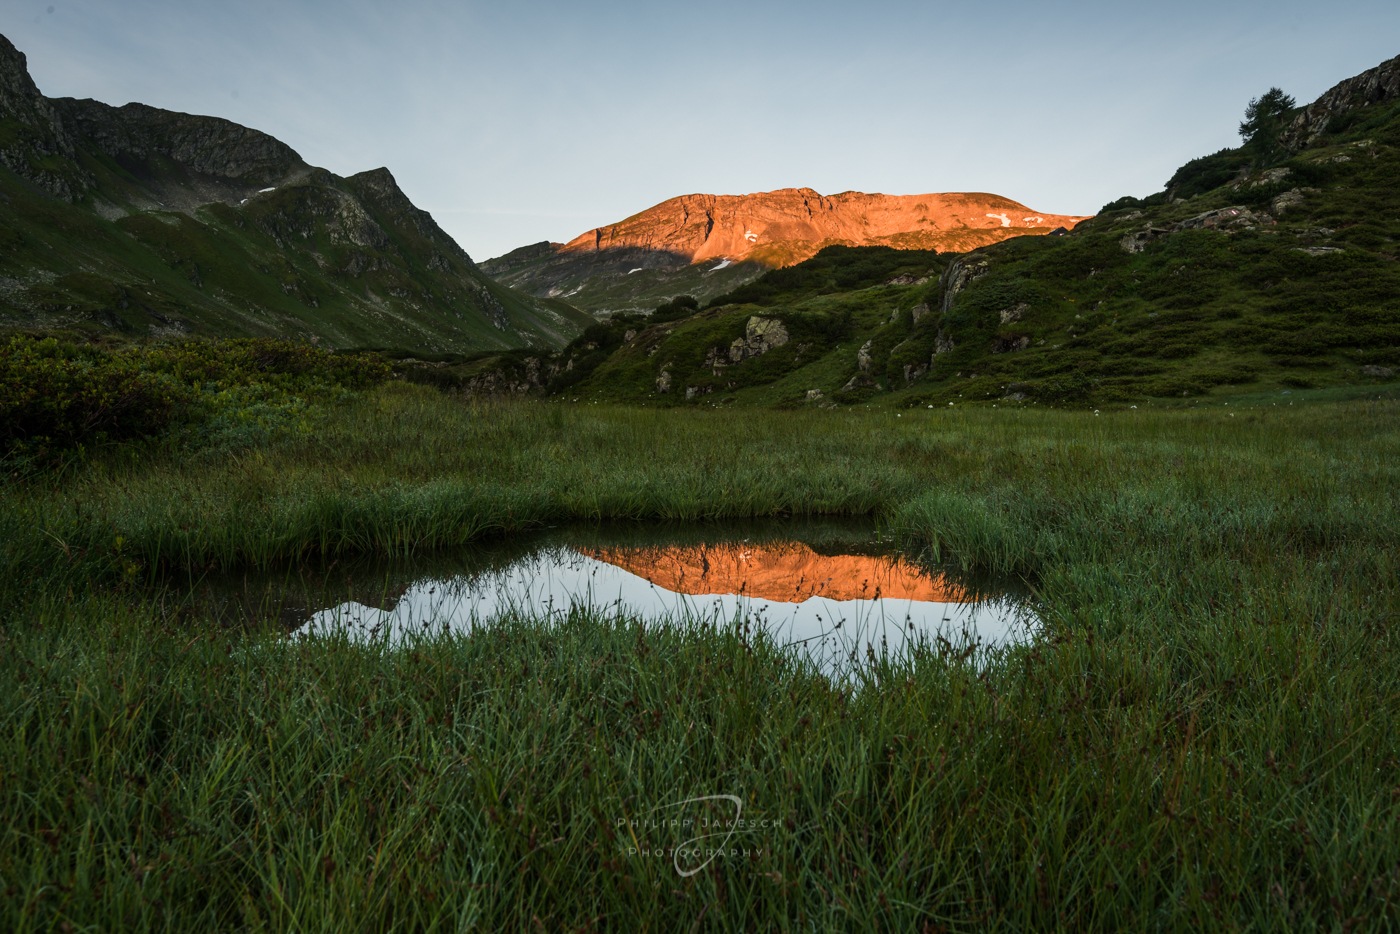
<point x="838" y="608"/>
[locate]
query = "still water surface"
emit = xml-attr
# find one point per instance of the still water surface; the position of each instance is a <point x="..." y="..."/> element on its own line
<point x="835" y="590"/>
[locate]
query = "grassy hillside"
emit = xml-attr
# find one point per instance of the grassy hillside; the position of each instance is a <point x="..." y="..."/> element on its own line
<point x="1284" y="276"/>
<point x="800" y="327"/>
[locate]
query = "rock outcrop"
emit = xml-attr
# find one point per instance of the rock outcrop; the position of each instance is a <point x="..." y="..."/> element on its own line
<point x="760" y="336"/>
<point x="780" y="228"/>
<point x="136" y="136"/>
<point x="37" y="145"/>
<point x="1228" y="219"/>
<point x="1381" y="83"/>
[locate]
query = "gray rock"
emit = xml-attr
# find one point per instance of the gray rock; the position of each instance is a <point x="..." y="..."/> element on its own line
<point x="1138" y="240"/>
<point x="765" y="333"/>
<point x="962" y="273"/>
<point x="1270" y="177"/>
<point x="1010" y="315"/>
<point x="1286" y="200"/>
<point x="863" y="357"/>
<point x="760" y="336"/>
<point x="1235" y="216"/>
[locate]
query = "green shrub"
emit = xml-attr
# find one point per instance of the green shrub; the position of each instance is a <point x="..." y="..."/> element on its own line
<point x="679" y="307"/>
<point x="55" y="395"/>
<point x="1131" y="203"/>
<point x="1207" y="173"/>
<point x="59" y="394"/>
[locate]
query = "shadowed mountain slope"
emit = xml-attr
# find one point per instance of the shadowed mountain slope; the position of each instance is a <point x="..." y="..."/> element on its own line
<point x="704" y="245"/>
<point x="145" y="221"/>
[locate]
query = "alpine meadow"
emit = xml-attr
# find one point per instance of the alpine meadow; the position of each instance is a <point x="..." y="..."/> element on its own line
<point x="248" y="404"/>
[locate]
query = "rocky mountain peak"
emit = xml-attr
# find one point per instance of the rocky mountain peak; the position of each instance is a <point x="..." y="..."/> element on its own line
<point x="16" y="87"/>
<point x="378" y="186"/>
<point x="378" y="181"/>
<point x="184" y="224"/>
<point x="38" y="134"/>
<point x="212" y="146"/>
<point x="786" y="226"/>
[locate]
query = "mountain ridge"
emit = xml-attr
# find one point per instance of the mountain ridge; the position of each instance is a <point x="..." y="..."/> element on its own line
<point x="144" y="220"/>
<point x="785" y="226"/>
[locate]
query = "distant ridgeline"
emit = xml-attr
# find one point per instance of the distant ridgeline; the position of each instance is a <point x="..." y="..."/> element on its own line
<point x="149" y="222"/>
<point x="705" y="245"/>
<point x="1267" y="267"/>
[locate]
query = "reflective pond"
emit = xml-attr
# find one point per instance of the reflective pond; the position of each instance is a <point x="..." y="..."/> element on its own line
<point x="837" y="590"/>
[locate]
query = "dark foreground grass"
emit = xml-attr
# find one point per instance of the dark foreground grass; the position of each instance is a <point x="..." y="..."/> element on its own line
<point x="1203" y="736"/>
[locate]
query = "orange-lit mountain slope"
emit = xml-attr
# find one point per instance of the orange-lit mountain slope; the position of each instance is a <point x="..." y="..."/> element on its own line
<point x="779" y="228"/>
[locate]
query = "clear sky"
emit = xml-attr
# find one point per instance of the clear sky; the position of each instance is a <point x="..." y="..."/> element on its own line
<point x="516" y="121"/>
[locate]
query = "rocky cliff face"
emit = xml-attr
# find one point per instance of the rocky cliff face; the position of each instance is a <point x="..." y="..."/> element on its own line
<point x="176" y="161"/>
<point x="137" y="136"/>
<point x="35" y="144"/>
<point x="1379" y="84"/>
<point x="780" y="228"/>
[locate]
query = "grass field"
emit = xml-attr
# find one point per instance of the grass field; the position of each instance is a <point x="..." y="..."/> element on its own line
<point x="1202" y="737"/>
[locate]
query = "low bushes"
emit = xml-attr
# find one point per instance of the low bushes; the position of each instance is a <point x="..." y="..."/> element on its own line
<point x="59" y="394"/>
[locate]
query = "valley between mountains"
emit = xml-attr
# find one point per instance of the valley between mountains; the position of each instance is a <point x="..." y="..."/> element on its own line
<point x="1031" y="571"/>
<point x="1269" y="265"/>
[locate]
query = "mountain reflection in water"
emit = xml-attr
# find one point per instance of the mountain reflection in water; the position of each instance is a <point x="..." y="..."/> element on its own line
<point x="788" y="572"/>
<point x="839" y="608"/>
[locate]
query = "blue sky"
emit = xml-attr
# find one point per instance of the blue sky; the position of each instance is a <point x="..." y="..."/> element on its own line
<point x="537" y="120"/>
